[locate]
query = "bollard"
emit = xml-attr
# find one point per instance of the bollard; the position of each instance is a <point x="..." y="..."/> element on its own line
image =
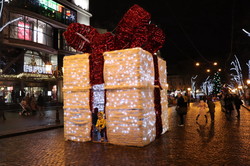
<point x="57" y="116"/>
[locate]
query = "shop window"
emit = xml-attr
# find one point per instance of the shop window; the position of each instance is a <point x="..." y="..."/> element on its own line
<point x="34" y="64"/>
<point x="32" y="30"/>
<point x="48" y="8"/>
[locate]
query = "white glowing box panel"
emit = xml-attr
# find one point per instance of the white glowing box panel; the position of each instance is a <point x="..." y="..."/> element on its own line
<point x="129" y="80"/>
<point x="77" y="115"/>
<point x="164" y="100"/>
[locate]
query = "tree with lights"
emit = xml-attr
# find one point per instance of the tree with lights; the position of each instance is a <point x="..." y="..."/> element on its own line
<point x="217" y="83"/>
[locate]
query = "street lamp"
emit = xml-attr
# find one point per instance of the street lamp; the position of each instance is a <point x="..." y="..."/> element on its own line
<point x="215" y="63"/>
<point x="248" y="82"/>
<point x="197" y="64"/>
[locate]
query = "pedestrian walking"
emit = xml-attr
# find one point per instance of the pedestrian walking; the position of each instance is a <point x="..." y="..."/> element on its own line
<point x="237" y="103"/>
<point x="228" y="104"/>
<point x="211" y="108"/>
<point x="202" y="110"/>
<point x="40" y="105"/>
<point x="181" y="108"/>
<point x="222" y="103"/>
<point x="33" y="103"/>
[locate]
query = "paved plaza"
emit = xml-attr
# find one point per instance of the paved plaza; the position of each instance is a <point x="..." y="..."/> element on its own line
<point x="224" y="142"/>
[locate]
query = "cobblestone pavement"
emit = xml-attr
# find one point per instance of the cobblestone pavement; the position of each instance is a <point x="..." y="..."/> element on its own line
<point x="226" y="142"/>
<point x="16" y="124"/>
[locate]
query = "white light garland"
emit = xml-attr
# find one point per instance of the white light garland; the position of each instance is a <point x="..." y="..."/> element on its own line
<point x="248" y="34"/>
<point x="77" y="115"/>
<point x="129" y="80"/>
<point x="1" y="10"/>
<point x="207" y="86"/>
<point x="193" y="84"/>
<point x="248" y="64"/>
<point x="238" y="76"/>
<point x="164" y="95"/>
<point x="129" y="84"/>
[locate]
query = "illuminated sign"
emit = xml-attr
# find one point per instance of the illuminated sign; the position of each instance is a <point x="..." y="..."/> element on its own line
<point x="24" y="31"/>
<point x="35" y="69"/>
<point x="49" y="4"/>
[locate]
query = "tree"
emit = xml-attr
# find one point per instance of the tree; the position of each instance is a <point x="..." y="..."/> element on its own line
<point x="217" y="83"/>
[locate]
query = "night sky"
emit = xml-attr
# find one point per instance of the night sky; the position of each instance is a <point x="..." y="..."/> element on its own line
<point x="196" y="30"/>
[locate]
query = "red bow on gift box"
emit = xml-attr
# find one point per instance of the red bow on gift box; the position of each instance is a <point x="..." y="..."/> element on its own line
<point x="134" y="30"/>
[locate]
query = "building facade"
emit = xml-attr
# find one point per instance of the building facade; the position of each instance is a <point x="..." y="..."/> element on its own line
<point x="34" y="41"/>
<point x="178" y="82"/>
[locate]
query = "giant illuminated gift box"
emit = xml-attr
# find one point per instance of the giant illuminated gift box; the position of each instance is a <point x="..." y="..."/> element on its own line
<point x="77" y="114"/>
<point x="129" y="83"/>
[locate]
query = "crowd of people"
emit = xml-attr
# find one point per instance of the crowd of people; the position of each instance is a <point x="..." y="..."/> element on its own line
<point x="30" y="104"/>
<point x="229" y="103"/>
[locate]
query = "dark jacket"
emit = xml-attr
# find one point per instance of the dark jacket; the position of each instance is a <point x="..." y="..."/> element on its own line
<point x="181" y="102"/>
<point x="237" y="102"/>
<point x="40" y="100"/>
<point x="211" y="106"/>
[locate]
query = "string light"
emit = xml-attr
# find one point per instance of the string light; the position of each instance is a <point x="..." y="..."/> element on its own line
<point x="129" y="84"/>
<point x="238" y="76"/>
<point x="77" y="115"/>
<point x="164" y="99"/>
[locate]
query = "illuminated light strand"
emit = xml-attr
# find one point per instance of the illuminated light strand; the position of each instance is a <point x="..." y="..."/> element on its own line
<point x="9" y="22"/>
<point x="193" y="84"/>
<point x="130" y="113"/>
<point x="84" y="38"/>
<point x="207" y="86"/>
<point x="129" y="79"/>
<point x="248" y="64"/>
<point x="77" y="115"/>
<point x="164" y="99"/>
<point x="1" y="8"/>
<point x="238" y="76"/>
<point x="20" y="18"/>
<point x="248" y="34"/>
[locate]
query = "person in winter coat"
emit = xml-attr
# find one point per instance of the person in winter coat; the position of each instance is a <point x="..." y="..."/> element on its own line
<point x="211" y="107"/>
<point x="101" y="125"/>
<point x="181" y="108"/>
<point x="40" y="104"/>
<point x="237" y="103"/>
<point x="229" y="104"/>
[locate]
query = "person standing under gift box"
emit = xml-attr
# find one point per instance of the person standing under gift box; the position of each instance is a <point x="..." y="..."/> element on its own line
<point x="101" y="125"/>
